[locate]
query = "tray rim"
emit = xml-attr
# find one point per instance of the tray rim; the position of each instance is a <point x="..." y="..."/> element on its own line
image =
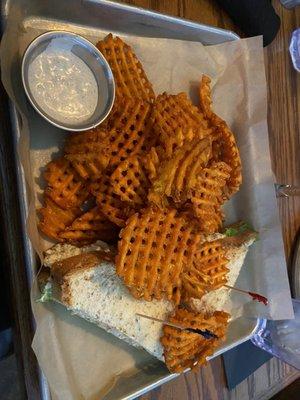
<point x="29" y="251"/>
<point x="158" y="15"/>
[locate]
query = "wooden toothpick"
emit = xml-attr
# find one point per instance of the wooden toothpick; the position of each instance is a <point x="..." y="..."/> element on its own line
<point x="205" y="333"/>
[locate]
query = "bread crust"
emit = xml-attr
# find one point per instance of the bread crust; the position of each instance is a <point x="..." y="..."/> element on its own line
<point x="62" y="270"/>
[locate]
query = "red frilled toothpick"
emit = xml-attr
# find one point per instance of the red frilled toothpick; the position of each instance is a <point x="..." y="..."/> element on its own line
<point x="255" y="296"/>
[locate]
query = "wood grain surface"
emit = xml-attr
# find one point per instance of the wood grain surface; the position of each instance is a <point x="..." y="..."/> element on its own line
<point x="284" y="132"/>
<point x="284" y="110"/>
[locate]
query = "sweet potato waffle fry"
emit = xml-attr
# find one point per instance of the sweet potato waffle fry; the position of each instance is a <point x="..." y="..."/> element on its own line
<point x="172" y="142"/>
<point x="205" y="97"/>
<point x="208" y="195"/>
<point x="87" y="152"/>
<point x="82" y="142"/>
<point x="130" y="180"/>
<point x="65" y="186"/>
<point x="212" y="261"/>
<point x="177" y="175"/>
<point x="130" y="77"/>
<point x="171" y="112"/>
<point x="208" y="270"/>
<point x="154" y="246"/>
<point x="151" y="163"/>
<point x="110" y="203"/>
<point x="54" y="219"/>
<point x="212" y="180"/>
<point x="224" y="147"/>
<point x="89" y="227"/>
<point x="184" y="349"/>
<point x="210" y="216"/>
<point x="89" y="165"/>
<point x="131" y="131"/>
<point x="229" y="153"/>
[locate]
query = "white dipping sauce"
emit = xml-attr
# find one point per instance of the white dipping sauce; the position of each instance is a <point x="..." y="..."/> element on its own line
<point x="62" y="84"/>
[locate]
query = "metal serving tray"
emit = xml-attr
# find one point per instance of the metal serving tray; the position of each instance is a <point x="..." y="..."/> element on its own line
<point x="88" y="17"/>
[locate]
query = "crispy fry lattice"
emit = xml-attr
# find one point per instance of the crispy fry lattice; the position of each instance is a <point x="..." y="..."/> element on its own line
<point x="228" y="152"/>
<point x="208" y="195"/>
<point x="131" y="131"/>
<point x="54" y="219"/>
<point x="131" y="180"/>
<point x="110" y="203"/>
<point x="208" y="270"/>
<point x="130" y="77"/>
<point x="151" y="163"/>
<point x="65" y="186"/>
<point x="224" y="145"/>
<point x="89" y="165"/>
<point x="173" y="112"/>
<point x="184" y="349"/>
<point x="84" y="142"/>
<point x="177" y="175"/>
<point x="89" y="227"/>
<point x="172" y="142"/>
<point x="205" y="96"/>
<point x="153" y="248"/>
<point x="87" y="152"/>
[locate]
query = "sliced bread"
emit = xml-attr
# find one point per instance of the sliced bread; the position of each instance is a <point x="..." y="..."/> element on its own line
<point x="85" y="281"/>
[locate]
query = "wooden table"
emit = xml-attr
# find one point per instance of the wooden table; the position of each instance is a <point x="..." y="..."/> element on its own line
<point x="284" y="130"/>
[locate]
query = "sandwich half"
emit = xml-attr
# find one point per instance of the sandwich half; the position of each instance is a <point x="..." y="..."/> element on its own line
<point x="85" y="281"/>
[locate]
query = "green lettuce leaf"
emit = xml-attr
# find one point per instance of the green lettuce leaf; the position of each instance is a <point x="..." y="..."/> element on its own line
<point x="238" y="229"/>
<point x="46" y="294"/>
